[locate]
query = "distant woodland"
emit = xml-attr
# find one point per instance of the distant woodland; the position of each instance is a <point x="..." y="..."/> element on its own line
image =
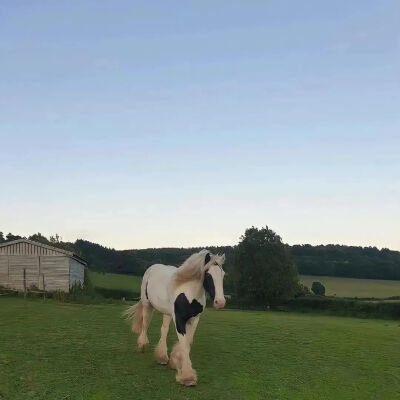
<point x="324" y="260"/>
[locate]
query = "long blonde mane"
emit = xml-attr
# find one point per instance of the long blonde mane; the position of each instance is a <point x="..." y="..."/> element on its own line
<point x="192" y="269"/>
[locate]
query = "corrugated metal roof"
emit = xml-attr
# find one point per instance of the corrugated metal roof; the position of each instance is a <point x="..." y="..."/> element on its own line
<point x="45" y="246"/>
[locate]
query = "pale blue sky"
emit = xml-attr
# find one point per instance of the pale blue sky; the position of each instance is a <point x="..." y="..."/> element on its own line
<point x="145" y="124"/>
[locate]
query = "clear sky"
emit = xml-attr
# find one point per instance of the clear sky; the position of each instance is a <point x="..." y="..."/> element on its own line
<point x="181" y="123"/>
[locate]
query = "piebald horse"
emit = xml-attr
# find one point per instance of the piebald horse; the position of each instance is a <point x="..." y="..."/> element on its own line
<point x="180" y="294"/>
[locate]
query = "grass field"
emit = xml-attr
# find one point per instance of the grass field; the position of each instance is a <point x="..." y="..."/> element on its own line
<point x="116" y="281"/>
<point x="51" y="350"/>
<point x="341" y="287"/>
<point x="349" y="287"/>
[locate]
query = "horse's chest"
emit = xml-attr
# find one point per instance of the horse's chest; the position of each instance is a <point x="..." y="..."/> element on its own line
<point x="184" y="311"/>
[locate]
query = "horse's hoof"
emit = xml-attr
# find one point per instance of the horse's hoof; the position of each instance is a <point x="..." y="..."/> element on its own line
<point x="188" y="382"/>
<point x="187" y="379"/>
<point x="161" y="359"/>
<point x="141" y="348"/>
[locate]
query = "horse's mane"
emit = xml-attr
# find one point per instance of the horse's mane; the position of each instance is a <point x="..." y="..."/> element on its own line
<point x="191" y="269"/>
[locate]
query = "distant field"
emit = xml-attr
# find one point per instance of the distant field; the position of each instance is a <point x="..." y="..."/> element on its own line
<point x="55" y="351"/>
<point x="341" y="287"/>
<point x="349" y="287"/>
<point x="116" y="281"/>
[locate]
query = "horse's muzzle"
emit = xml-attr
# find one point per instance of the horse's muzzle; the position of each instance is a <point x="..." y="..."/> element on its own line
<point x="219" y="303"/>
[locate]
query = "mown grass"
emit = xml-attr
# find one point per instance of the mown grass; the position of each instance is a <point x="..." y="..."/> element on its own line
<point x="51" y="350"/>
<point x="116" y="281"/>
<point x="349" y="287"/>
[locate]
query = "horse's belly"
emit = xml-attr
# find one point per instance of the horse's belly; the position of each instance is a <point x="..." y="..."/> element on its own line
<point x="161" y="304"/>
<point x="157" y="288"/>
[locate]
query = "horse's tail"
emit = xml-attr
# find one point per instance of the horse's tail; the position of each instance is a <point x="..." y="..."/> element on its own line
<point x="135" y="313"/>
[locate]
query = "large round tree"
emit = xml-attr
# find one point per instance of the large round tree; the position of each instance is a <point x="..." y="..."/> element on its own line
<point x="265" y="271"/>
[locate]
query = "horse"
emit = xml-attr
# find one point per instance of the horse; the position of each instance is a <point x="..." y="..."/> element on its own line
<point x="179" y="294"/>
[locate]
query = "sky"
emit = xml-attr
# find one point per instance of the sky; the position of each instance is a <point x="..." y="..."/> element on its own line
<point x="141" y="124"/>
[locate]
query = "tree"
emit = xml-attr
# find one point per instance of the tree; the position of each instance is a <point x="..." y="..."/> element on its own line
<point x="55" y="239"/>
<point x="318" y="288"/>
<point x="38" y="237"/>
<point x="11" y="237"/>
<point x="2" y="238"/>
<point x="264" y="267"/>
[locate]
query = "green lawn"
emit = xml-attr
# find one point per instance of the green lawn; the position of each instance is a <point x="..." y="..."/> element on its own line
<point x="51" y="350"/>
<point x="116" y="281"/>
<point x="349" y="287"/>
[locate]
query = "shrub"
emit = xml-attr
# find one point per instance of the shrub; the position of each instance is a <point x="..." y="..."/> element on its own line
<point x="318" y="288"/>
<point x="302" y="290"/>
<point x="346" y="307"/>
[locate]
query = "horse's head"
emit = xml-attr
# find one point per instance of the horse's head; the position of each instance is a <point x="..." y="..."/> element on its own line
<point x="214" y="278"/>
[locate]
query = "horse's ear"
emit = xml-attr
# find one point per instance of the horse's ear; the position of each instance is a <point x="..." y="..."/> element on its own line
<point x="222" y="258"/>
<point x="207" y="258"/>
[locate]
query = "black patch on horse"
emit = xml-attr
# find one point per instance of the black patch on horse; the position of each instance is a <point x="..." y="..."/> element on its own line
<point x="208" y="285"/>
<point x="207" y="259"/>
<point x="147" y="296"/>
<point x="184" y="311"/>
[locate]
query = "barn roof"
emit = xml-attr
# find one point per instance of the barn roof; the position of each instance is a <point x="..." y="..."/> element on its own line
<point x="45" y="246"/>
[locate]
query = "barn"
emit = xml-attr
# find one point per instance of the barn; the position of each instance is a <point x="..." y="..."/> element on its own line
<point x="25" y="264"/>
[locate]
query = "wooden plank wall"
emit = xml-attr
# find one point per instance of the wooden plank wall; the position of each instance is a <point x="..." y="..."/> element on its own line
<point x="54" y="268"/>
<point x="16" y="266"/>
<point x="56" y="272"/>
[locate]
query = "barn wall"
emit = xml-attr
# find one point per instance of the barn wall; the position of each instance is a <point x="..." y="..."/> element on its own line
<point x="16" y="266"/>
<point x="76" y="273"/>
<point x="46" y="268"/>
<point x="56" y="273"/>
<point x="52" y="271"/>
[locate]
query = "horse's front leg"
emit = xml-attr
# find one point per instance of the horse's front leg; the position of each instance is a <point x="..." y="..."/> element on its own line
<point x="180" y="356"/>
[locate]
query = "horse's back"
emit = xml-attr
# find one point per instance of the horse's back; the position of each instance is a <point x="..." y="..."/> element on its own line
<point x="155" y="286"/>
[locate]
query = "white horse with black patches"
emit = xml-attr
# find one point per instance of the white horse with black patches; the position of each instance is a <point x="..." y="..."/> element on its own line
<point x="180" y="294"/>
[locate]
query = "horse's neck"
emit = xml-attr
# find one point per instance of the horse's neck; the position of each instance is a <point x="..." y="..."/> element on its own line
<point x="193" y="287"/>
<point x="201" y="289"/>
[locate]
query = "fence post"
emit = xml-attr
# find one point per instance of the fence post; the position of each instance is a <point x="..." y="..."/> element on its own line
<point x="44" y="288"/>
<point x="24" y="283"/>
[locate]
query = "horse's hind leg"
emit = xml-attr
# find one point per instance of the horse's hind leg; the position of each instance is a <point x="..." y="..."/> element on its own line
<point x="161" y="351"/>
<point x="143" y="340"/>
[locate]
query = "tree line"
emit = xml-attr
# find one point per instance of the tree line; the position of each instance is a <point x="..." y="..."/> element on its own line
<point x="323" y="260"/>
<point x="347" y="261"/>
